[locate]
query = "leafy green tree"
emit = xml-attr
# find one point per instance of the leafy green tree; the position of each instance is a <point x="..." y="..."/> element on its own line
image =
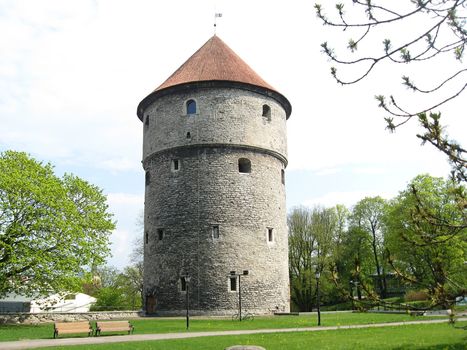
<point x="430" y="254"/>
<point x="131" y="283"/>
<point x="302" y="245"/>
<point x="359" y="263"/>
<point x="110" y="299"/>
<point x="51" y="228"/>
<point x="367" y="217"/>
<point x="137" y="259"/>
<point x="311" y="241"/>
<point x="432" y="29"/>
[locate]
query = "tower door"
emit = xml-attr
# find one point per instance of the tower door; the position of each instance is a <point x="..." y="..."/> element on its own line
<point x="150" y="304"/>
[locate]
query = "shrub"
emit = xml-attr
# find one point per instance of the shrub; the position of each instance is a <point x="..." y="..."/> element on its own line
<point x="416" y="295"/>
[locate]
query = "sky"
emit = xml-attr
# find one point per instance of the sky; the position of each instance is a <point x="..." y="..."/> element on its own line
<point x="72" y="73"/>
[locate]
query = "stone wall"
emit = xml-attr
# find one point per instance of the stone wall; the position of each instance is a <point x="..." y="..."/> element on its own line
<point x="206" y="190"/>
<point x="226" y="116"/>
<point x="28" y="318"/>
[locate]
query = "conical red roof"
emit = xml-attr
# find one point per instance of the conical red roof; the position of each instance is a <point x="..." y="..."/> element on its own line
<point x="215" y="61"/>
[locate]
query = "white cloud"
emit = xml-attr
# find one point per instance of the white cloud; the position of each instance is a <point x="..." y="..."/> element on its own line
<point x="328" y="171"/>
<point x="125" y="199"/>
<point x="126" y="207"/>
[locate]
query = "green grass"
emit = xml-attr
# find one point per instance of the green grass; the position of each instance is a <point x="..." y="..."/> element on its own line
<point x="412" y="337"/>
<point x="171" y="325"/>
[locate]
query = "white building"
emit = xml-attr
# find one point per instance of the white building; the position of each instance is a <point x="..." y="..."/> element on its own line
<point x="77" y="302"/>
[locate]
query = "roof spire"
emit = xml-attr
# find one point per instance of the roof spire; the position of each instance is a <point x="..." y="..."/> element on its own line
<point x="216" y="15"/>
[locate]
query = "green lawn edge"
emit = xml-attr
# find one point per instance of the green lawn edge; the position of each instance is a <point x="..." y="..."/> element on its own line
<point x="175" y="325"/>
<point x="413" y="337"/>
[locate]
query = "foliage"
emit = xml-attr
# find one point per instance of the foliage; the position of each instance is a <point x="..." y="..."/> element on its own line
<point x="416" y="32"/>
<point x="51" y="228"/>
<point x="416" y="295"/>
<point x="131" y="283"/>
<point x="109" y="298"/>
<point x="119" y="290"/>
<point x="301" y="248"/>
<point x="359" y="264"/>
<point x="367" y="218"/>
<point x="429" y="253"/>
<point x="114" y="289"/>
<point x="312" y="234"/>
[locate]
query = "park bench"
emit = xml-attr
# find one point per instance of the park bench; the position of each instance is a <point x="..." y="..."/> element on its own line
<point x="114" y="326"/>
<point x="71" y="328"/>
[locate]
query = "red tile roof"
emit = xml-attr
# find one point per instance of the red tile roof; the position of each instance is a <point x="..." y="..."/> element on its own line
<point x="215" y="61"/>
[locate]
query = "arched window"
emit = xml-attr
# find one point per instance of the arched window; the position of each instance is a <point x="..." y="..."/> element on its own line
<point x="191" y="107"/>
<point x="283" y="176"/>
<point x="267" y="112"/>
<point x="244" y="165"/>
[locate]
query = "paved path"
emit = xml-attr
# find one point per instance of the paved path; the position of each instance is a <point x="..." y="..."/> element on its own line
<point x="40" y="343"/>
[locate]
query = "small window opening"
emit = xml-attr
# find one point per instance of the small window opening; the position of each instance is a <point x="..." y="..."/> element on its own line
<point x="233" y="284"/>
<point x="270" y="235"/>
<point x="283" y="176"/>
<point x="147" y="178"/>
<point x="175" y="164"/>
<point x="191" y="107"/>
<point x="146" y="237"/>
<point x="215" y="231"/>
<point x="188" y="135"/>
<point x="267" y="112"/>
<point x="147" y="121"/>
<point x="160" y="234"/>
<point x="244" y="165"/>
<point x="183" y="284"/>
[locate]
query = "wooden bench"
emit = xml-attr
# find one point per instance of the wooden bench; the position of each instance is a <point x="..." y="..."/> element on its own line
<point x="72" y="328"/>
<point x="114" y="326"/>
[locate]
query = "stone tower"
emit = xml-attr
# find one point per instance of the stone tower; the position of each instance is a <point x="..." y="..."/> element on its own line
<point x="214" y="154"/>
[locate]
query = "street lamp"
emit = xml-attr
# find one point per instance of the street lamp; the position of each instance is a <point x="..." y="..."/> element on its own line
<point x="187" y="283"/>
<point x="317" y="275"/>
<point x="234" y="274"/>
<point x="354" y="284"/>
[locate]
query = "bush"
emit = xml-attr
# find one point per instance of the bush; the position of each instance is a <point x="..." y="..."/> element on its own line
<point x="416" y="295"/>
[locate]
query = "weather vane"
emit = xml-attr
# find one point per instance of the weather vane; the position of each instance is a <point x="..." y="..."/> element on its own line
<point x="216" y="15"/>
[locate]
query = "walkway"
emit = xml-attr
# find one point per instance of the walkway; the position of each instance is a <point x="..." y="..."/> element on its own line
<point x="40" y="343"/>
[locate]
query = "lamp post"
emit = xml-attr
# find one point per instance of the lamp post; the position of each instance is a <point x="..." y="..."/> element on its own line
<point x="317" y="275"/>
<point x="244" y="273"/>
<point x="354" y="284"/>
<point x="187" y="283"/>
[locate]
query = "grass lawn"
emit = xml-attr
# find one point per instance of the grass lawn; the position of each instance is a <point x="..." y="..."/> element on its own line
<point x="410" y="337"/>
<point x="171" y="325"/>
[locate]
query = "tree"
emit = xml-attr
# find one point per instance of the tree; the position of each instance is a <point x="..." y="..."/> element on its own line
<point x="432" y="29"/>
<point x="359" y="263"/>
<point x="367" y="216"/>
<point x="135" y="272"/>
<point x="131" y="284"/>
<point x="301" y="248"/>
<point x="311" y="237"/>
<point x="51" y="228"/>
<point x="429" y="254"/>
